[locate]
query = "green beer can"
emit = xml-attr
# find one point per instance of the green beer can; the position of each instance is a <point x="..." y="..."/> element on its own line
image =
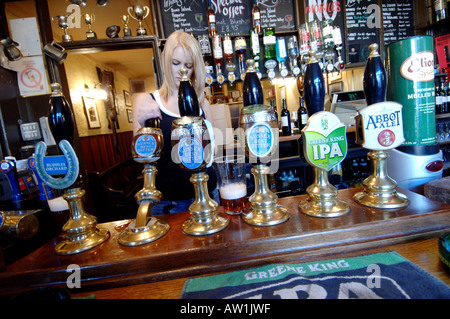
<point x="410" y="70"/>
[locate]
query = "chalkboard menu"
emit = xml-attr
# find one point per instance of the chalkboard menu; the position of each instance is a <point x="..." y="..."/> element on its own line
<point x="398" y="20"/>
<point x="277" y="14"/>
<point x="233" y="17"/>
<point x="362" y="17"/>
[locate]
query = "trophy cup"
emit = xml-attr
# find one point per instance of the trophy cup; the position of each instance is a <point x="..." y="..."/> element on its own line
<point x="140" y="13"/>
<point x="260" y="127"/>
<point x="89" y="19"/>
<point x="324" y="147"/>
<point x="146" y="148"/>
<point x="379" y="127"/>
<point x="193" y="149"/>
<point x="126" y="29"/>
<point x="61" y="21"/>
<point x="80" y="230"/>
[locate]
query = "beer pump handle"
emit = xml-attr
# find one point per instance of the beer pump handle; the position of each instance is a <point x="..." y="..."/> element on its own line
<point x="187" y="97"/>
<point x="314" y="86"/>
<point x="375" y="81"/>
<point x="8" y="166"/>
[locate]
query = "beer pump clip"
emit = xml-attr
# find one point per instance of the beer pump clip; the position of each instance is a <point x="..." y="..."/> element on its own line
<point x="379" y="127"/>
<point x="44" y="191"/>
<point x="324" y="147"/>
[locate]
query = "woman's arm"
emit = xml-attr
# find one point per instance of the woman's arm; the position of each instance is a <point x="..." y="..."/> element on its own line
<point x="144" y="107"/>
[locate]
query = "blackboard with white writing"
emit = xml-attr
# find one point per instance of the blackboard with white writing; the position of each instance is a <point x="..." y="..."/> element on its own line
<point x="233" y="17"/>
<point x="398" y="20"/>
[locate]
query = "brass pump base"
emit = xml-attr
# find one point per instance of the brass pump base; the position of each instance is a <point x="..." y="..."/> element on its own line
<point x="81" y="231"/>
<point x="264" y="207"/>
<point x="322" y="200"/>
<point x="204" y="218"/>
<point x="145" y="229"/>
<point x="380" y="189"/>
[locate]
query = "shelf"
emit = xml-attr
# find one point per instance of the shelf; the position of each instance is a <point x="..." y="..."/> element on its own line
<point x="119" y="43"/>
<point x="442" y="23"/>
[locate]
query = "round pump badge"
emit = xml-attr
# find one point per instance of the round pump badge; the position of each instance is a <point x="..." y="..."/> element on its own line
<point x="145" y="145"/>
<point x="260" y="139"/>
<point x="190" y="152"/>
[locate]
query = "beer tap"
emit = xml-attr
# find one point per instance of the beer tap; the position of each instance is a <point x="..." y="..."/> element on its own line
<point x="146" y="148"/>
<point x="81" y="232"/>
<point x="193" y="149"/>
<point x="260" y="130"/>
<point x="379" y="188"/>
<point x="9" y="168"/>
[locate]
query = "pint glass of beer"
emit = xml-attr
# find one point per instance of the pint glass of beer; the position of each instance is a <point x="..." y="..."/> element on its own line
<point x="232" y="184"/>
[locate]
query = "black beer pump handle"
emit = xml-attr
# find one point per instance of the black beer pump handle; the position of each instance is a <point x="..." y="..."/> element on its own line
<point x="375" y="81"/>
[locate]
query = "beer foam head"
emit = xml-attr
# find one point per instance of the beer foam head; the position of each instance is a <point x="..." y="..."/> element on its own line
<point x="233" y="191"/>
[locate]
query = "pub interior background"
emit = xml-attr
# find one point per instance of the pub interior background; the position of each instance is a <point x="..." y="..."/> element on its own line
<point x="131" y="65"/>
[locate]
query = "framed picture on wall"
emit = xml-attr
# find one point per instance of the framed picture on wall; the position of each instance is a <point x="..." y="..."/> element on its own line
<point x="127" y="98"/>
<point x="91" y="112"/>
<point x="130" y="116"/>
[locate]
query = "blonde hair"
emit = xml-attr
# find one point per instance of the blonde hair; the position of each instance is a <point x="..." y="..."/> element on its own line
<point x="190" y="45"/>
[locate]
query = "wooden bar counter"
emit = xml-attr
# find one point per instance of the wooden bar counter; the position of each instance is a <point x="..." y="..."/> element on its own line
<point x="159" y="269"/>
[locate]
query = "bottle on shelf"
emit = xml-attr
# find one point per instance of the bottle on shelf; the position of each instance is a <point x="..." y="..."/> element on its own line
<point x="274" y="108"/>
<point x="285" y="117"/>
<point x="328" y="44"/>
<point x="205" y="46"/>
<point x="440" y="12"/>
<point x="447" y="93"/>
<point x="256" y="17"/>
<point x="252" y="92"/>
<point x="270" y="51"/>
<point x="443" y="97"/>
<point x="218" y="58"/>
<point x="240" y="47"/>
<point x="228" y="54"/>
<point x="282" y="56"/>
<point x="316" y="39"/>
<point x="438" y="99"/>
<point x="337" y="38"/>
<point x="302" y="119"/>
<point x="302" y="114"/>
<point x="305" y="46"/>
<point x="211" y="17"/>
<point x="255" y="50"/>
<point x="293" y="55"/>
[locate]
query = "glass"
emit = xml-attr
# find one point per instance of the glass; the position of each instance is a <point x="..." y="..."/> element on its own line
<point x="232" y="183"/>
